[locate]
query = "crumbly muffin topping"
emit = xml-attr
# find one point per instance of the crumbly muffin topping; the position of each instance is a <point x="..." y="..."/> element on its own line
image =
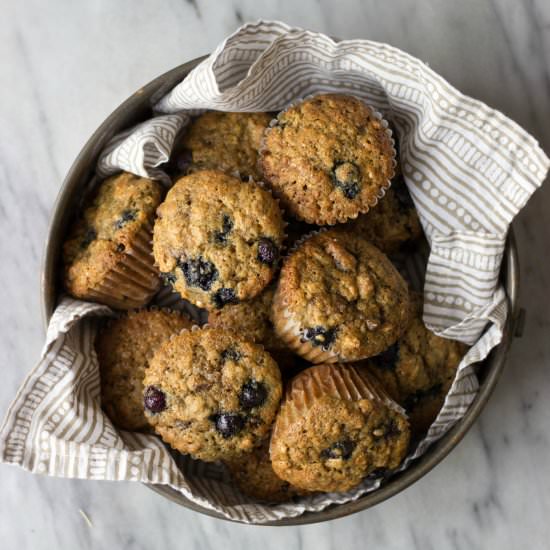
<point x="343" y="295"/>
<point x="256" y="478"/>
<point x="212" y="394"/>
<point x="327" y="158"/>
<point x="392" y="222"/>
<point x="217" y="239"/>
<point x="251" y="319"/>
<point x="121" y="207"/>
<point x="124" y="347"/>
<point x="223" y="141"/>
<point x="418" y="370"/>
<point x="332" y="432"/>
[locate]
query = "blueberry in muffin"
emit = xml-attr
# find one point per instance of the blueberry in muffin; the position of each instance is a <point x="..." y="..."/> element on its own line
<point x="328" y="158"/>
<point x="218" y="239"/>
<point x="212" y="394"/>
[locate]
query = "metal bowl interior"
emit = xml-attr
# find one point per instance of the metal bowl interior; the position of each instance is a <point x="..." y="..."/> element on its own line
<point x="136" y="109"/>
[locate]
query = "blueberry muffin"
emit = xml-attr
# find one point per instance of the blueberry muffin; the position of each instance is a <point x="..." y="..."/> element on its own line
<point x="107" y="256"/>
<point x="392" y="222"/>
<point x="211" y="394"/>
<point x="339" y="299"/>
<point x="252" y="321"/>
<point x="328" y="158"/>
<point x="336" y="426"/>
<point x="254" y="476"/>
<point x="222" y="141"/>
<point x="418" y="370"/>
<point x="217" y="239"/>
<point x="124" y="347"/>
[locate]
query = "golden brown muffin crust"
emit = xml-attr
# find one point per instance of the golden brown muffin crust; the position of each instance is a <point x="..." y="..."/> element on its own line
<point x="251" y="319"/>
<point x="255" y="477"/>
<point x="218" y="239"/>
<point x="418" y="370"/>
<point x="392" y="222"/>
<point x="343" y="295"/>
<point x="327" y="158"/>
<point x="219" y="393"/>
<point x="124" y="347"/>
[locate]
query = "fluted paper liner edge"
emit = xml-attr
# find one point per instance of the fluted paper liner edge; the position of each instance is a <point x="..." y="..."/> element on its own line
<point x="134" y="280"/>
<point x="346" y="382"/>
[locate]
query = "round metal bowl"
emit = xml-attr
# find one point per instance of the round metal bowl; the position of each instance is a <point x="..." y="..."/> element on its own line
<point x="138" y="108"/>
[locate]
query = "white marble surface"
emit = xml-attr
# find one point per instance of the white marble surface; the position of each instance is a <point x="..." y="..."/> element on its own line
<point x="64" y="65"/>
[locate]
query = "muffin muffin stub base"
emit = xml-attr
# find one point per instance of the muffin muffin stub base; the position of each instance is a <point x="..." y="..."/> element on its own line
<point x="346" y="382"/>
<point x="134" y="280"/>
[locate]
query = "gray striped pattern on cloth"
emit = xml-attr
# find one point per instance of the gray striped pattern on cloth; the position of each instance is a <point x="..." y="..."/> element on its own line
<point x="142" y="148"/>
<point x="469" y="170"/>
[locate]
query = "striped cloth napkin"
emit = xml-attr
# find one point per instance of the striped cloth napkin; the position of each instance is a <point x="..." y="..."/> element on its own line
<point x="468" y="168"/>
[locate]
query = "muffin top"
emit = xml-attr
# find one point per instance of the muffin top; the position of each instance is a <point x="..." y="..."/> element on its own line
<point x="341" y="294"/>
<point x="212" y="394"/>
<point x="254" y="476"/>
<point x="251" y="319"/>
<point x="328" y="158"/>
<point x="392" y="222"/>
<point x="335" y="427"/>
<point x="122" y="206"/>
<point x="223" y="141"/>
<point x="418" y="370"/>
<point x="217" y="239"/>
<point x="124" y="347"/>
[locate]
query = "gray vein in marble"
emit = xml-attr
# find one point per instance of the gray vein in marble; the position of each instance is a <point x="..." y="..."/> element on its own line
<point x="34" y="87"/>
<point x="195" y="5"/>
<point x="239" y="16"/>
<point x="518" y="69"/>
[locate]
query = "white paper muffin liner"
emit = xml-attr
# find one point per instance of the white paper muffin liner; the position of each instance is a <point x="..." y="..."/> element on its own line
<point x="469" y="170"/>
